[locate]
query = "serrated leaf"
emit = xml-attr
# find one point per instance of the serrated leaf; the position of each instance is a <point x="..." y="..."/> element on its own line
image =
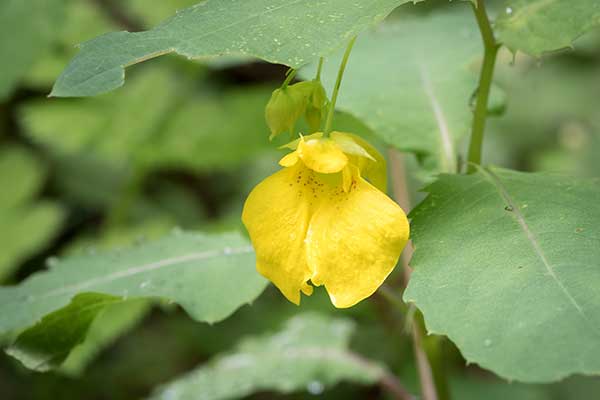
<point x="288" y="32"/>
<point x="507" y="266"/>
<point x="310" y="352"/>
<point x="410" y="82"/>
<point x="539" y="26"/>
<point x="25" y="225"/>
<point x="210" y="276"/>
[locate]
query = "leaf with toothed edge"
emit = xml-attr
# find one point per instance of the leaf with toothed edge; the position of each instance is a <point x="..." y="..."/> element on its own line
<point x="507" y="265"/>
<point x="210" y="276"/>
<point x="539" y="26"/>
<point x="289" y="32"/>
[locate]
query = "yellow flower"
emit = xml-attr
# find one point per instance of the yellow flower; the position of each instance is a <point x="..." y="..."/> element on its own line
<point x="319" y="220"/>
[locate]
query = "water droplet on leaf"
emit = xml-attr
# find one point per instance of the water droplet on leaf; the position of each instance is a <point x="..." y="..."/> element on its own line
<point x="315" y="387"/>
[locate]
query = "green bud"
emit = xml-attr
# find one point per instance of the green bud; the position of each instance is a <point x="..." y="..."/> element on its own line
<point x="290" y="103"/>
<point x="284" y="108"/>
<point x="318" y="97"/>
<point x="316" y="105"/>
<point x="313" y="116"/>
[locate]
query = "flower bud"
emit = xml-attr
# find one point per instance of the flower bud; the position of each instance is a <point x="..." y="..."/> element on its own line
<point x="284" y="108"/>
<point x="315" y="105"/>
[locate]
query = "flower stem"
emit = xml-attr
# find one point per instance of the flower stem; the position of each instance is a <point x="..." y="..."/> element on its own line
<point x="319" y="69"/>
<point x="336" y="88"/>
<point x="485" y="82"/>
<point x="290" y="75"/>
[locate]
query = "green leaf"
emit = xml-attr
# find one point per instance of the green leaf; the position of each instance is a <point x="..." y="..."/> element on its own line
<point x="539" y="26"/>
<point x="507" y="266"/>
<point x="105" y="128"/>
<point x="489" y="389"/>
<point x="410" y="81"/>
<point x="293" y="33"/>
<point x="108" y="325"/>
<point x="309" y="353"/>
<point x="209" y="276"/>
<point x="26" y="28"/>
<point x="117" y="319"/>
<point x="26" y="225"/>
<point x="179" y="128"/>
<point x="555" y="102"/>
<point x="158" y="12"/>
<point x="22" y="173"/>
<point x="84" y="20"/>
<point x="47" y="344"/>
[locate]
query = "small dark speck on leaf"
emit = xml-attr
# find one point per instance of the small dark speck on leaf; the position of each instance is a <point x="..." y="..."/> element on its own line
<point x="579" y="230"/>
<point x="508" y="208"/>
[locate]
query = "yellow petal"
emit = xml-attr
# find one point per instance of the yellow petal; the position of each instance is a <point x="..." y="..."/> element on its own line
<point x="354" y="242"/>
<point x="373" y="168"/>
<point x="289" y="160"/>
<point x="293" y="145"/>
<point x="322" y="155"/>
<point x="276" y="215"/>
<point x="349" y="145"/>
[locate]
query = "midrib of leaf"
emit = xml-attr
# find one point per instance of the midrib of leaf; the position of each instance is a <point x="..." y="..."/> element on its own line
<point x="320" y="353"/>
<point x="142" y="269"/>
<point x="342" y="357"/>
<point x="535" y="245"/>
<point x="448" y="156"/>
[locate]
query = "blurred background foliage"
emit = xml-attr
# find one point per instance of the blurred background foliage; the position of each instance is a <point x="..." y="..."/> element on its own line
<point x="180" y="146"/>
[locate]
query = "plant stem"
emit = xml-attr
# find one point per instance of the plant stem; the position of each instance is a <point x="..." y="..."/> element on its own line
<point x="336" y="88"/>
<point x="433" y="382"/>
<point x="389" y="294"/>
<point x="319" y="69"/>
<point x="485" y="82"/>
<point x="290" y="76"/>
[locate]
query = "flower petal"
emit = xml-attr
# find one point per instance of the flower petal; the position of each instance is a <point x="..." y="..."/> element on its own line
<point x="289" y="160"/>
<point x="322" y="155"/>
<point x="373" y="168"/>
<point x="355" y="240"/>
<point x="277" y="214"/>
<point x="349" y="145"/>
<point x="293" y="145"/>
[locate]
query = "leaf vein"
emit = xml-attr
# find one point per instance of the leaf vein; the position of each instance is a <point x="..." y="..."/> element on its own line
<point x="78" y="287"/>
<point x="516" y="211"/>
